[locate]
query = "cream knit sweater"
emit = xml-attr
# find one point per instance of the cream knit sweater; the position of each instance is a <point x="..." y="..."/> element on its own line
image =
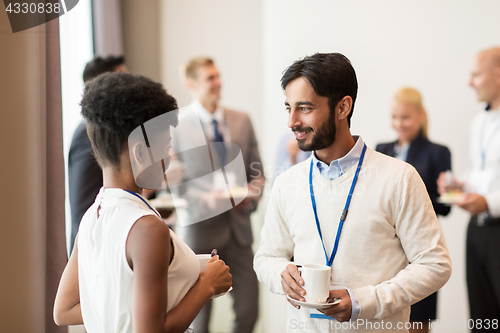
<point x="391" y="251"/>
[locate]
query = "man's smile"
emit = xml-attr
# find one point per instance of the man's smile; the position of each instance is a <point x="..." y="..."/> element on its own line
<point x="300" y="134"/>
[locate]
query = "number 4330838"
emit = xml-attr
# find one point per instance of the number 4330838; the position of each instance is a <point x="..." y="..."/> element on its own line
<point x="40" y="8"/>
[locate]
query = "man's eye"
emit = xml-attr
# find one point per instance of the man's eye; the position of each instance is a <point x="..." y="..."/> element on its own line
<point x="305" y="109"/>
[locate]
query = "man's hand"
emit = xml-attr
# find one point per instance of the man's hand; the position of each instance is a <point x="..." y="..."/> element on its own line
<point x="249" y="204"/>
<point x="291" y="282"/>
<point x="474" y="203"/>
<point x="341" y="311"/>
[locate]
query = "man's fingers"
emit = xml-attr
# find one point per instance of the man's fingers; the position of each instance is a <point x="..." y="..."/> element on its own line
<point x="293" y="278"/>
<point x="293" y="303"/>
<point x="294" y="273"/>
<point x="341" y="311"/>
<point x="294" y="293"/>
<point x="290" y="278"/>
<point x="335" y="313"/>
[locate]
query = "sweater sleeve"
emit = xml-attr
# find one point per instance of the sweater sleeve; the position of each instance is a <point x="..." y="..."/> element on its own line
<point x="276" y="245"/>
<point x="422" y="241"/>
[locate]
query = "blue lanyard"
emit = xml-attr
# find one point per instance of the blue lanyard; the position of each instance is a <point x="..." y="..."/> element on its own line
<point x="329" y="261"/>
<point x="137" y="195"/>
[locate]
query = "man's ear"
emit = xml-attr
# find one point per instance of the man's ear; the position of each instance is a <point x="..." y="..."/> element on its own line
<point x="190" y="83"/>
<point x="345" y="107"/>
<point x="497" y="72"/>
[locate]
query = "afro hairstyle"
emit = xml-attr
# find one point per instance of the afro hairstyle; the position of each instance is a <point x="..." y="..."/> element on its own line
<point x="114" y="104"/>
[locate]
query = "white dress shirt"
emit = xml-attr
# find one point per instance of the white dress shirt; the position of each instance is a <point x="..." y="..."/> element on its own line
<point x="484" y="177"/>
<point x="207" y="118"/>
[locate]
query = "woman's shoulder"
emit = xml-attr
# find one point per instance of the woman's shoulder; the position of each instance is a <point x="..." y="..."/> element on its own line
<point x="438" y="148"/>
<point x="385" y="147"/>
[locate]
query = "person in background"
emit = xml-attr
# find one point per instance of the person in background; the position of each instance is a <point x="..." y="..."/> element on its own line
<point x="129" y="272"/>
<point x="409" y="120"/>
<point x="229" y="232"/>
<point x="84" y="173"/>
<point x="288" y="153"/>
<point x="364" y="214"/>
<point x="482" y="193"/>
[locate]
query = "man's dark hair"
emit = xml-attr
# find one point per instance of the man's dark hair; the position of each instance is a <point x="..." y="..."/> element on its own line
<point x="330" y="74"/>
<point x="114" y="104"/>
<point x="99" y="65"/>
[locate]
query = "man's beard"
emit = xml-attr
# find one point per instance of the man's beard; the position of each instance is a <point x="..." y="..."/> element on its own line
<point x="322" y="138"/>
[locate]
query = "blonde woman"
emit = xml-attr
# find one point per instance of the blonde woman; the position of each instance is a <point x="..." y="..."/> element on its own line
<point x="409" y="120"/>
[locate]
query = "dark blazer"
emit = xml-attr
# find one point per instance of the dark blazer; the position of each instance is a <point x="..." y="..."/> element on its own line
<point x="84" y="178"/>
<point x="430" y="160"/>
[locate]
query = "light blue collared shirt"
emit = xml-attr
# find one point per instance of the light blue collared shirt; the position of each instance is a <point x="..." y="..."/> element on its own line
<point x="333" y="171"/>
<point x="338" y="167"/>
<point x="401" y="152"/>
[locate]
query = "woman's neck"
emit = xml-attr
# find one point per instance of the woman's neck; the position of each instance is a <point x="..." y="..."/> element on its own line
<point x="113" y="178"/>
<point x="402" y="142"/>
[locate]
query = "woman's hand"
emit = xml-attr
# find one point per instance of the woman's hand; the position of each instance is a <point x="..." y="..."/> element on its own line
<point x="215" y="275"/>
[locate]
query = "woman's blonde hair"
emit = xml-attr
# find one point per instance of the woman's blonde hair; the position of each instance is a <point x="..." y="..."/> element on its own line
<point x="413" y="97"/>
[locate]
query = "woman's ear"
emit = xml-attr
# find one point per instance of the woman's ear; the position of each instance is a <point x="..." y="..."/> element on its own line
<point x="139" y="154"/>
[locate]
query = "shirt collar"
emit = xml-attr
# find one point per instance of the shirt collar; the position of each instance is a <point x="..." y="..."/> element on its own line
<point x="340" y="166"/>
<point x="207" y="117"/>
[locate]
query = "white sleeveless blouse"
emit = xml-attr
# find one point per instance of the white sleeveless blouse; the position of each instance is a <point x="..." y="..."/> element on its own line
<point x="105" y="277"/>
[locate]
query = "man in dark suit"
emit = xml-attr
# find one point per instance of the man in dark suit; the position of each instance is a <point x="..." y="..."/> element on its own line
<point x="213" y="220"/>
<point x="84" y="174"/>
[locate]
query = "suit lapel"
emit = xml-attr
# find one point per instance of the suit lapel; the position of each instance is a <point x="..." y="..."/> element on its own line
<point x="415" y="147"/>
<point x="233" y="123"/>
<point x="391" y="151"/>
<point x="228" y="118"/>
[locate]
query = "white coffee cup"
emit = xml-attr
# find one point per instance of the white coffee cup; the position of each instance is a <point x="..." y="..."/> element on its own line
<point x="316" y="282"/>
<point x="203" y="259"/>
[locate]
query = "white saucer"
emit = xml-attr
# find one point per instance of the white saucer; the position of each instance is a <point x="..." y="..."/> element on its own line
<point x="222" y="294"/>
<point x="314" y="305"/>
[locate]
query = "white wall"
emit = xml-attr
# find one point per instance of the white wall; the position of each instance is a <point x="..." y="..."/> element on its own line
<point x="228" y="31"/>
<point x="425" y="44"/>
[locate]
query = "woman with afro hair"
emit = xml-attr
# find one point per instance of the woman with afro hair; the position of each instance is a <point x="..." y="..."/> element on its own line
<point x="128" y="271"/>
